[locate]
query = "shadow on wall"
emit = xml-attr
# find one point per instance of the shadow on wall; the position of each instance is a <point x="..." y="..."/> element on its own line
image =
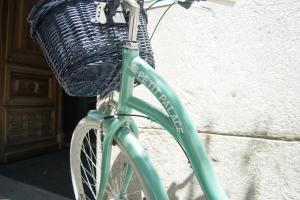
<point x="249" y="164"/>
<point x="250" y="194"/>
<point x="249" y="167"/>
<point x="135" y="188"/>
<point x="174" y="187"/>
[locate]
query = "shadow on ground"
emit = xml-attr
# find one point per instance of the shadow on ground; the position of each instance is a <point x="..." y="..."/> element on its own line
<point x="50" y="172"/>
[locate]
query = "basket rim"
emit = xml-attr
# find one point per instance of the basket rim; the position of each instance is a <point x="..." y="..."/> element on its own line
<point x="43" y="7"/>
<point x="39" y="11"/>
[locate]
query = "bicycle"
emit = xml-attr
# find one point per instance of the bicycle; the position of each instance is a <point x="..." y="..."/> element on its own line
<point x="123" y="130"/>
<point x="111" y="130"/>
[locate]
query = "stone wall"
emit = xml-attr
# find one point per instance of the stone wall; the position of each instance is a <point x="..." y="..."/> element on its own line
<point x="238" y="72"/>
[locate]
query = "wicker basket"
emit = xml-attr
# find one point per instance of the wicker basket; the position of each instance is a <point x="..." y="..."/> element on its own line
<point x="85" y="58"/>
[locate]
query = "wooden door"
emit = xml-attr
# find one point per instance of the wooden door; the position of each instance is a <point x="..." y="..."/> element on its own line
<point x="30" y="95"/>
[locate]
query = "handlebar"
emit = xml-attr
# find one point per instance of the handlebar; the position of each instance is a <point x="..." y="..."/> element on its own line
<point x="224" y="2"/>
<point x="187" y="3"/>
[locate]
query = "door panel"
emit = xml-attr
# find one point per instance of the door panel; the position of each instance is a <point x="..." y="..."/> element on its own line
<point x="2" y="34"/>
<point x="30" y="105"/>
<point x="27" y="86"/>
<point x="21" y="48"/>
<point x="24" y="125"/>
<point x="1" y="86"/>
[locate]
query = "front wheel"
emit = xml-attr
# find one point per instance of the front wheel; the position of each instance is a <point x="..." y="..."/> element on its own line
<point x="85" y="159"/>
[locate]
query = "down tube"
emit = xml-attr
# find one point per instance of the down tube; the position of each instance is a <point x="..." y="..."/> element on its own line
<point x="184" y="128"/>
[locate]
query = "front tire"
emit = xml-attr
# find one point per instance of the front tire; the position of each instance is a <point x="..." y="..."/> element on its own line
<point x="85" y="160"/>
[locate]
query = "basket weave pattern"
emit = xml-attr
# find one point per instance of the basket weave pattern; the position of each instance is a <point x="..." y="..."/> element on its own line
<point x="84" y="57"/>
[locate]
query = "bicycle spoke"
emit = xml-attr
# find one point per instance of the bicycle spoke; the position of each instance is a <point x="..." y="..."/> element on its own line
<point x="83" y="149"/>
<point x="88" y="171"/>
<point x="132" y="193"/>
<point x="113" y="183"/>
<point x="110" y="193"/>
<point x="84" y="181"/>
<point x="89" y="184"/>
<point x="116" y="183"/>
<point x="91" y="148"/>
<point x="91" y="159"/>
<point x="85" y="170"/>
<point x="110" y="187"/>
<point x="122" y="172"/>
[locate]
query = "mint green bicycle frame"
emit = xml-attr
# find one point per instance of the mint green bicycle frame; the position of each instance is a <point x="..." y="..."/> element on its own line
<point x="176" y="122"/>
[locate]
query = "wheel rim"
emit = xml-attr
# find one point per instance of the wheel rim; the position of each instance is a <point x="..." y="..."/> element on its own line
<point x="88" y="164"/>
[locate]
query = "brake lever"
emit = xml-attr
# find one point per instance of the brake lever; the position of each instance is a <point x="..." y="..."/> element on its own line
<point x="186" y="4"/>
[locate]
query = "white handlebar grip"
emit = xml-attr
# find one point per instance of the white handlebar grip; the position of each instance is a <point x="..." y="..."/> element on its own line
<point x="224" y="2"/>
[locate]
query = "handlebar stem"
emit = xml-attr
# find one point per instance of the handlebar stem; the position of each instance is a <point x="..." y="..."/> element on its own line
<point x="134" y="11"/>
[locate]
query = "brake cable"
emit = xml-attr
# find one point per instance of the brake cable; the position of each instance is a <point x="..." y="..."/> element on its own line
<point x="161" y="17"/>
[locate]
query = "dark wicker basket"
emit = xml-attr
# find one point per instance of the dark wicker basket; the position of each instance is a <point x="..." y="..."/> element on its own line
<point x="85" y="58"/>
